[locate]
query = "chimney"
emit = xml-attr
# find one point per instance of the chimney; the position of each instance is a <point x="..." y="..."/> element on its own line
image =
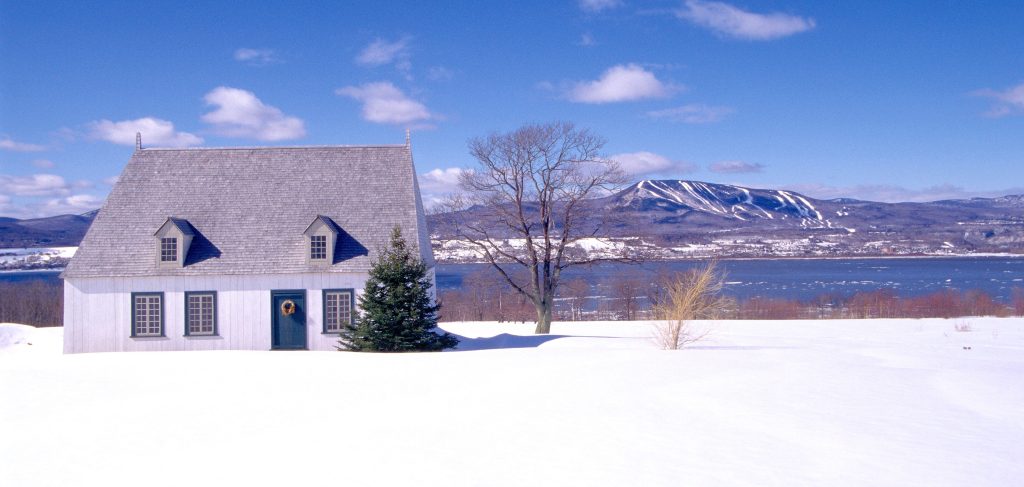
<point x="138" y="141"/>
<point x="408" y="138"/>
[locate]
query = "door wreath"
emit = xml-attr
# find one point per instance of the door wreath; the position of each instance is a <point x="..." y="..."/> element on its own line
<point x="287" y="307"/>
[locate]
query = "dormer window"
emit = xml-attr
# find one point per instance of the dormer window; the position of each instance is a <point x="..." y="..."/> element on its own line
<point x="321" y="235"/>
<point x="173" y="240"/>
<point x="318" y="247"/>
<point x="168" y="249"/>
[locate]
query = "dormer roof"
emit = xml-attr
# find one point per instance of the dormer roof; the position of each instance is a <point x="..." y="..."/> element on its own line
<point x="326" y="221"/>
<point x="180" y="223"/>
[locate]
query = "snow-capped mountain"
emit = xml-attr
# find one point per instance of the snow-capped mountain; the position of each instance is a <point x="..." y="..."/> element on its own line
<point x="677" y="218"/>
<point x="719" y="199"/>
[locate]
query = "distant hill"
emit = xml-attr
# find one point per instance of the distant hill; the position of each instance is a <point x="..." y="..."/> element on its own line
<point x="678" y="218"/>
<point x="54" y="231"/>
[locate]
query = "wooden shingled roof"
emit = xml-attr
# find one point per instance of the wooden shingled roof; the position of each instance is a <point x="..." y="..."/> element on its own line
<point x="250" y="206"/>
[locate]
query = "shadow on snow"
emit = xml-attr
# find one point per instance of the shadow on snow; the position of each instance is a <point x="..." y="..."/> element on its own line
<point x="506" y="340"/>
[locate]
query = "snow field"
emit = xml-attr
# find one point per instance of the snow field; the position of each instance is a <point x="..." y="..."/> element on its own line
<point x="845" y="402"/>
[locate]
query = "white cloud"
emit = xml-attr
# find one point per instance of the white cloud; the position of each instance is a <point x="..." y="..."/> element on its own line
<point x="256" y="57"/>
<point x="381" y="52"/>
<point x="155" y="132"/>
<point x="240" y="114"/>
<point x="735" y="167"/>
<point x="43" y="163"/>
<point x="586" y="40"/>
<point x="692" y="113"/>
<point x="598" y="5"/>
<point x="644" y="163"/>
<point x="1007" y="102"/>
<point x="439" y="73"/>
<point x="441" y="180"/>
<point x="895" y="194"/>
<point x="112" y="180"/>
<point x="34" y="185"/>
<point x="627" y="82"/>
<point x="60" y="198"/>
<point x="74" y="204"/>
<point x="384" y="103"/>
<point x="11" y="145"/>
<point x="438" y="184"/>
<point x="731" y="21"/>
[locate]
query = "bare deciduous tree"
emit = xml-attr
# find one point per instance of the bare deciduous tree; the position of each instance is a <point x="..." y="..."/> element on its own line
<point x="577" y="291"/>
<point x="533" y="185"/>
<point x="627" y="291"/>
<point x="1017" y="301"/>
<point x="35" y="303"/>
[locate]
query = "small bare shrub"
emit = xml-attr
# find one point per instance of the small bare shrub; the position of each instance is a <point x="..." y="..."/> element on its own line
<point x="694" y="295"/>
<point x="963" y="326"/>
<point x="1017" y="301"/>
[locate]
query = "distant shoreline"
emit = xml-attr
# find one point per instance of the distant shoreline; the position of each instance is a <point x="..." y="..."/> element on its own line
<point x="30" y="271"/>
<point x="697" y="259"/>
<point x="815" y="257"/>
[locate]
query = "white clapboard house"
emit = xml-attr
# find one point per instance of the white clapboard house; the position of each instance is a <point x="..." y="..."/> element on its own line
<point x="254" y="248"/>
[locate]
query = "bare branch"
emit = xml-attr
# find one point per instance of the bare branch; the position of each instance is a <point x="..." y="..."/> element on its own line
<point x="534" y="184"/>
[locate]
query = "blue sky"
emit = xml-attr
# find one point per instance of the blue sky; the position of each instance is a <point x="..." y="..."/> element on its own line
<point x="893" y="101"/>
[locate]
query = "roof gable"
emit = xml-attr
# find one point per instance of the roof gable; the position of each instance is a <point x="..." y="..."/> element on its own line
<point x="321" y="222"/>
<point x="178" y="223"/>
<point x="250" y="206"/>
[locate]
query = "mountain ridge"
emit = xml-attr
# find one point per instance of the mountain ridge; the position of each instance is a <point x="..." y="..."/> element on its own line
<point x="684" y="218"/>
<point x="52" y="231"/>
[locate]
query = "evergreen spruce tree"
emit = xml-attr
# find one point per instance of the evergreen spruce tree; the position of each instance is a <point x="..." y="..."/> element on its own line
<point x="397" y="312"/>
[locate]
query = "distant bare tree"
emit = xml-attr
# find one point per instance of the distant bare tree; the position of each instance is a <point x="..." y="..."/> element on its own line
<point x="657" y="288"/>
<point x="533" y="185"/>
<point x="980" y="303"/>
<point x="880" y="303"/>
<point x="1018" y="301"/>
<point x="577" y="290"/>
<point x="627" y="291"/>
<point x="35" y="303"/>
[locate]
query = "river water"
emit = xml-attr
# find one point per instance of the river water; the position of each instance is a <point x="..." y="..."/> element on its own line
<point x="778" y="278"/>
<point x="805" y="279"/>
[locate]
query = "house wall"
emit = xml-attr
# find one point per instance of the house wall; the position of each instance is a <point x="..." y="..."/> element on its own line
<point x="97" y="311"/>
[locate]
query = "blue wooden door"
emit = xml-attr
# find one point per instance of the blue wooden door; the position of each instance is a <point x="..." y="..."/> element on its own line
<point x="289" y="319"/>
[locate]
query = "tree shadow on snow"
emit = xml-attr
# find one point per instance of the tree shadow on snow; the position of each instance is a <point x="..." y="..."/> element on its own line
<point x="738" y="347"/>
<point x="506" y="340"/>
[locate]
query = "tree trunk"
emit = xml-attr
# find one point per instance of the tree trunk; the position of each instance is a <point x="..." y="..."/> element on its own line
<point x="543" y="318"/>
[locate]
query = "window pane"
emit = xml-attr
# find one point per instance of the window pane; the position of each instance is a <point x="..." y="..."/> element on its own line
<point x="168" y="249"/>
<point x="147" y="315"/>
<point x="318" y="247"/>
<point x="337" y="310"/>
<point x="200" y="314"/>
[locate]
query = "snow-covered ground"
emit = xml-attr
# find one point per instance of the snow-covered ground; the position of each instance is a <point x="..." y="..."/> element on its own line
<point x="761" y="403"/>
